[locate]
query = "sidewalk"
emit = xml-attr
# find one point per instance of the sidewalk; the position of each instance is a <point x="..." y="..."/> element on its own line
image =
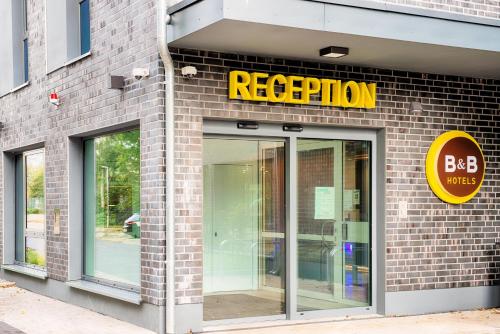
<point x="470" y="322"/>
<point x="30" y="313"/>
<point x="35" y="314"/>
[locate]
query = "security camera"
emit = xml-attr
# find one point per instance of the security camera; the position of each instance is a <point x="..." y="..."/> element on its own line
<point x="140" y="73"/>
<point x="189" y="71"/>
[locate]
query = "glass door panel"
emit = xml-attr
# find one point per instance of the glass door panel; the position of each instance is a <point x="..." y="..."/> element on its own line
<point x="244" y="228"/>
<point x="333" y="224"/>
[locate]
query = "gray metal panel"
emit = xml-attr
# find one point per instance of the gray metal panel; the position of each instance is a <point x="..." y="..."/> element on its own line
<point x="17" y="42"/>
<point x="441" y="300"/>
<point x="376" y="38"/>
<point x="405" y="9"/>
<point x="56" y="34"/>
<point x="189" y="318"/>
<point x="200" y="15"/>
<point x="404" y="27"/>
<point x="104" y="290"/>
<point x="383" y="6"/>
<point x="75" y="208"/>
<point x="292" y="13"/>
<point x="6" y="49"/>
<point x="292" y="271"/>
<point x="380" y="177"/>
<point x="9" y="205"/>
<point x="39" y="274"/>
<point x="73" y="29"/>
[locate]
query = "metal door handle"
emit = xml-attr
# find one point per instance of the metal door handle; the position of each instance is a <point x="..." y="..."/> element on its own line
<point x="215" y="233"/>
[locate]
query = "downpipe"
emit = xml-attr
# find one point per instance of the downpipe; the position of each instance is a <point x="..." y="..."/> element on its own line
<point x="167" y="314"/>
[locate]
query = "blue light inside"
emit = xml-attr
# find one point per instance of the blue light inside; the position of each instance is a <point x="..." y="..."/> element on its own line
<point x="348" y="249"/>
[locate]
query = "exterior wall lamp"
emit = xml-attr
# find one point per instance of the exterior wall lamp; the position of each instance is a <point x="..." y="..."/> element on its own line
<point x="334" y="52"/>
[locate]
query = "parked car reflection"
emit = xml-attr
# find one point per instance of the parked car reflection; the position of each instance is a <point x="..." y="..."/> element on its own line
<point x="132" y="225"/>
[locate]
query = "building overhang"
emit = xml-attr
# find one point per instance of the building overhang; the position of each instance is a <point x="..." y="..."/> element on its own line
<point x="377" y="35"/>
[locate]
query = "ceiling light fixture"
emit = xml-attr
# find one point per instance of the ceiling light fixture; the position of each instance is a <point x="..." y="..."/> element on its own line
<point x="334" y="52"/>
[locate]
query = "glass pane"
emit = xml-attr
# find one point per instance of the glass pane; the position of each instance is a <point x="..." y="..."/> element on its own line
<point x="35" y="251"/>
<point x="26" y="68"/>
<point x="356" y="226"/>
<point x="85" y="26"/>
<point x="112" y="207"/>
<point x="333" y="224"/>
<point x="35" y="208"/>
<point x="35" y="192"/>
<point x="244" y="228"/>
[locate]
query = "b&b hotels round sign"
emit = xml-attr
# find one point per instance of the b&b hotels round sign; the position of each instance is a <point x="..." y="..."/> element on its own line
<point x="455" y="167"/>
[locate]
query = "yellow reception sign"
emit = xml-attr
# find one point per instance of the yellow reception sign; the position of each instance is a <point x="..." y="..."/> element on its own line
<point x="455" y="167"/>
<point x="293" y="89"/>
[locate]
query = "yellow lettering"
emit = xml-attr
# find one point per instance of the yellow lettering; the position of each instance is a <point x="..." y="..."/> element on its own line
<point x="368" y="95"/>
<point x="255" y="86"/>
<point x="336" y="93"/>
<point x="326" y="89"/>
<point x="271" y="94"/>
<point x="298" y="90"/>
<point x="353" y="102"/>
<point x="238" y="83"/>
<point x="290" y="89"/>
<point x="310" y="86"/>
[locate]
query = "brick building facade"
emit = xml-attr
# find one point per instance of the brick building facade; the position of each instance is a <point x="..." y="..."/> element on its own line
<point x="434" y="247"/>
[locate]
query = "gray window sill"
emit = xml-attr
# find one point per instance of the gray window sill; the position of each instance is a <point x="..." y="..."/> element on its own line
<point x="99" y="289"/>
<point x="69" y="62"/>
<point x="15" y="89"/>
<point x="40" y="274"/>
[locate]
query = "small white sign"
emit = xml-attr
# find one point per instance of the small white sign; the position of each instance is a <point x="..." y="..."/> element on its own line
<point x="324" y="203"/>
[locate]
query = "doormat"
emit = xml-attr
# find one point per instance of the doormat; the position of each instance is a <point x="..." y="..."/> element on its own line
<point x="232" y="306"/>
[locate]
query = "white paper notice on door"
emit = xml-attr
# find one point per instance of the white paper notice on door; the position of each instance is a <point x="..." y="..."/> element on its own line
<point x="324" y="203"/>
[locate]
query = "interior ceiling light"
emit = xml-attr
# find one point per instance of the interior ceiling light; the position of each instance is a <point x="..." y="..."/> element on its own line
<point x="334" y="52"/>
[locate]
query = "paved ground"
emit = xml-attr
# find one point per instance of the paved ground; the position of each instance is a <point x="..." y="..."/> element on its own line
<point x="22" y="311"/>
<point x="34" y="314"/>
<point x="471" y="322"/>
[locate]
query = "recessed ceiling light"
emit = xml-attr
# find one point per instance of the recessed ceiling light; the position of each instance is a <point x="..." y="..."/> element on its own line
<point x="334" y="52"/>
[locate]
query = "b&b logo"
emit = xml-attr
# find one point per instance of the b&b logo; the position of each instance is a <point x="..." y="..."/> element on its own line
<point x="455" y="167"/>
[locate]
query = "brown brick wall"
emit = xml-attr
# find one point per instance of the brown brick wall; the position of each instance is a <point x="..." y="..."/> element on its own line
<point x="438" y="245"/>
<point x="123" y="36"/>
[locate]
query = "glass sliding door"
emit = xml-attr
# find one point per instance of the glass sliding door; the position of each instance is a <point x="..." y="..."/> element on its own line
<point x="244" y="228"/>
<point x="333" y="222"/>
<point x="287" y="222"/>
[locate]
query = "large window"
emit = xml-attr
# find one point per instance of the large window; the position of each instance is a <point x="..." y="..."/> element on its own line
<point x="13" y="44"/>
<point x="68" y="31"/>
<point x="30" y="208"/>
<point x="112" y="208"/>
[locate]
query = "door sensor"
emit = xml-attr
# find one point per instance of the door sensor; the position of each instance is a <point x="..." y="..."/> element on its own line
<point x="248" y="125"/>
<point x="293" y="127"/>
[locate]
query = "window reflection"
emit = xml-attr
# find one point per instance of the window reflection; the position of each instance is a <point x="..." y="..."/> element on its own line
<point x="112" y="207"/>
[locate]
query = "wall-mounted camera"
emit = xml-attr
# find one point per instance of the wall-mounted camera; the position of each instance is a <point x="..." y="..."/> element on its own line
<point x="140" y="73"/>
<point x="189" y="71"/>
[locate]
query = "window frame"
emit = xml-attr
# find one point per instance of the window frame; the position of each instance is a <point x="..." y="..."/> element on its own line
<point x="85" y="227"/>
<point x="25" y="232"/>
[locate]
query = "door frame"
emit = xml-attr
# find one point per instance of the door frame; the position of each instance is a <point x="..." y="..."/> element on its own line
<point x="376" y="137"/>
